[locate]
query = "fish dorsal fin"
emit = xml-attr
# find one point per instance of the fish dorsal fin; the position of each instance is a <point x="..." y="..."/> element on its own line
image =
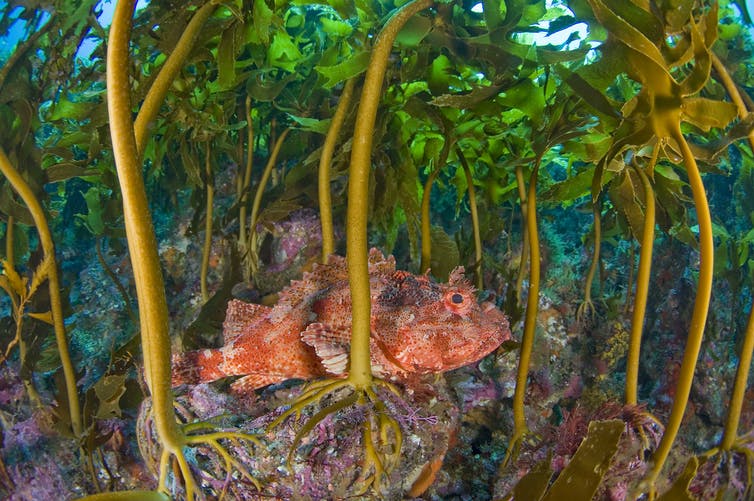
<point x="311" y="285"/>
<point x="331" y="343"/>
<point x="315" y="282"/>
<point x="240" y="317"/>
<point x="379" y="264"/>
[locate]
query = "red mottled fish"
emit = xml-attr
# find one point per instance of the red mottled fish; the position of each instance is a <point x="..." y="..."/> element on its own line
<point x="418" y="326"/>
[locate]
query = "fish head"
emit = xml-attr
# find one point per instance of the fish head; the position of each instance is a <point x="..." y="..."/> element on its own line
<point x="446" y="328"/>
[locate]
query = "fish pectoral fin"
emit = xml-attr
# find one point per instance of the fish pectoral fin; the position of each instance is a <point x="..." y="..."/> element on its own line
<point x="247" y="384"/>
<point x="331" y="343"/>
<point x="240" y="316"/>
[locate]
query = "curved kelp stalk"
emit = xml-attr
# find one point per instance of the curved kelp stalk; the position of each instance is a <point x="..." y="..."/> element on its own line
<point x="173" y="64"/>
<point x="699" y="315"/>
<point x="730" y="441"/>
<point x="207" y="248"/>
<point x="642" y="283"/>
<point x="520" y="429"/>
<point x="660" y="107"/>
<point x="251" y="245"/>
<point x="426" y="223"/>
<point x="246" y="180"/>
<point x="360" y="380"/>
<point x="50" y="271"/>
<point x="521" y="274"/>
<point x="325" y="162"/>
<point x="586" y="308"/>
<point x="474" y="218"/>
<point x="142" y="244"/>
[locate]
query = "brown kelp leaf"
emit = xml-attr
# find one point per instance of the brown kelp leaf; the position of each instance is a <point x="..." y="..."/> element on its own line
<point x="109" y="389"/>
<point x="40" y="274"/>
<point x="584" y="472"/>
<point x="534" y="484"/>
<point x="15" y="281"/>
<point x="627" y="195"/>
<point x="679" y="491"/>
<point x="45" y="316"/>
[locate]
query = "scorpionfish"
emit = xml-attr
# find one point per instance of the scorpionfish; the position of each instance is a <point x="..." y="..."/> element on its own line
<point x="417" y="326"/>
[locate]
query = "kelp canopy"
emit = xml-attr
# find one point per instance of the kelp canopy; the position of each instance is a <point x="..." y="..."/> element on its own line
<point x="545" y="145"/>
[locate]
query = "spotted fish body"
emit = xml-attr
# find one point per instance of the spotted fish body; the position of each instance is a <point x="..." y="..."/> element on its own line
<point x="417" y="326"/>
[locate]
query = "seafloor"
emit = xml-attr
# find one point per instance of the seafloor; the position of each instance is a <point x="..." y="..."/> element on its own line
<point x="456" y="426"/>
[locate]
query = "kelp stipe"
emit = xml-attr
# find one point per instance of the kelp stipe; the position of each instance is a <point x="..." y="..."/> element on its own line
<point x="325" y="164"/>
<point x="153" y="314"/>
<point x="360" y="380"/>
<point x="50" y="271"/>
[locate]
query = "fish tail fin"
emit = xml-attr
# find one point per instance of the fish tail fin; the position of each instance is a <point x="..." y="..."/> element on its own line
<point x="194" y="367"/>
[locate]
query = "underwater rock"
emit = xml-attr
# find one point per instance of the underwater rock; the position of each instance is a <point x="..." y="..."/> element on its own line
<point x="291" y="244"/>
<point x="327" y="461"/>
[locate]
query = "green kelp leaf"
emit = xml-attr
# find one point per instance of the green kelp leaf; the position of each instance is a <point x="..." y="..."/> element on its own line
<point x="226" y="59"/>
<point x="191" y="164"/>
<point x="587" y="92"/>
<point x="493" y="10"/>
<point x="445" y="254"/>
<point x="679" y="491"/>
<point x="707" y="113"/>
<point x="533" y="485"/>
<point x="671" y="200"/>
<point x="335" y="28"/>
<point x="262" y="18"/>
<point x="340" y="72"/>
<point x="650" y="25"/>
<point x="414" y="31"/>
<point x="65" y="108"/>
<point x="526" y="97"/>
<point x="626" y="32"/>
<point x="543" y="55"/>
<point x="468" y="100"/>
<point x="276" y="211"/>
<point x="438" y="78"/>
<point x="93" y="220"/>
<point x="712" y="149"/>
<point x="263" y="87"/>
<point x="589" y="148"/>
<point x="109" y="389"/>
<point x="627" y="194"/>
<point x="584" y="472"/>
<point x="312" y="124"/>
<point x="67" y="170"/>
<point x="283" y="52"/>
<point x="699" y="75"/>
<point x="574" y="187"/>
<point x="677" y="15"/>
<point x="77" y="138"/>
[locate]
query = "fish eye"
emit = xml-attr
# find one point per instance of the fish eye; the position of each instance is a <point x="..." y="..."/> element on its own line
<point x="458" y="302"/>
